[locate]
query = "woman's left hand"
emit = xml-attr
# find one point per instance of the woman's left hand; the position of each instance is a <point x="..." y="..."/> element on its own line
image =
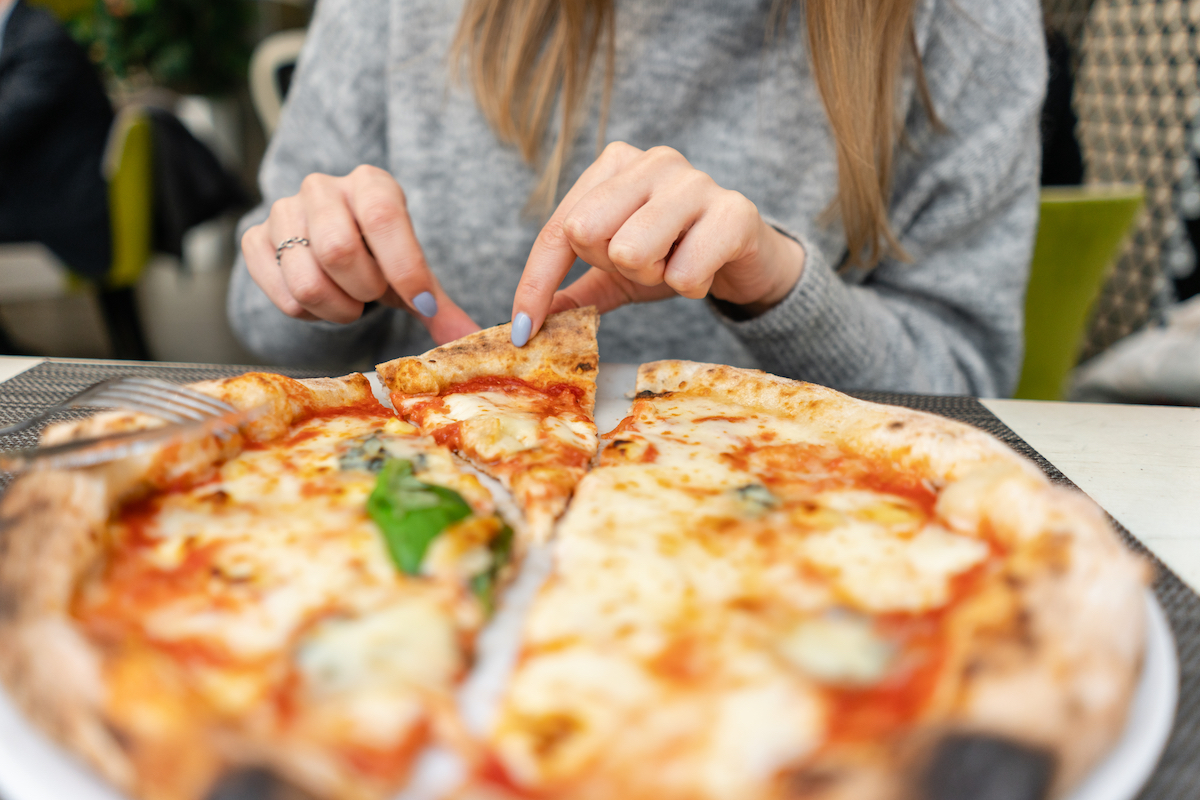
<point x="652" y="226"/>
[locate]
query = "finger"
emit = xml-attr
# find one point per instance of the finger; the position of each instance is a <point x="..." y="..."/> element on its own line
<point x="450" y="323"/>
<point x="379" y="206"/>
<point x="336" y="242"/>
<point x="606" y="291"/>
<point x="305" y="281"/>
<point x="719" y="237"/>
<point x="260" y="262"/>
<point x="642" y="246"/>
<point x="552" y="255"/>
<point x="593" y="225"/>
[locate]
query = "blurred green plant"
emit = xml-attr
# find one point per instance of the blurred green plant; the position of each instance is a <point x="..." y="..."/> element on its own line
<point x="191" y="46"/>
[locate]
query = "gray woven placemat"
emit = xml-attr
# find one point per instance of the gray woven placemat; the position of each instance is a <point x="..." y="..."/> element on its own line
<point x="1178" y="773"/>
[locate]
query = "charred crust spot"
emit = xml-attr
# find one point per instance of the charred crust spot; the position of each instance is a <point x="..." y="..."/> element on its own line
<point x="895" y="425"/>
<point x="986" y="768"/>
<point x="254" y="782"/>
<point x="584" y="366"/>
<point x="646" y="394"/>
<point x="810" y="783"/>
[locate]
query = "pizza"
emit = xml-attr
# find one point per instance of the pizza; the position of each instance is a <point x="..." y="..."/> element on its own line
<point x="767" y="589"/>
<point x="522" y="415"/>
<point x="761" y="588"/>
<point x="302" y="597"/>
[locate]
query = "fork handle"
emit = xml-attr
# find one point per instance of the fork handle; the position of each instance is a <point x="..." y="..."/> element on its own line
<point x="24" y="424"/>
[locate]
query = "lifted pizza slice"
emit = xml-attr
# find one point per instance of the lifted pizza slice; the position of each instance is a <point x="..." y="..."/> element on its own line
<point x="522" y="415"/>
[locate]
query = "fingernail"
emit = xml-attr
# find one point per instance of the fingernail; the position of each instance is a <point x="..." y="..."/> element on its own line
<point x="426" y="303"/>
<point x="521" y="327"/>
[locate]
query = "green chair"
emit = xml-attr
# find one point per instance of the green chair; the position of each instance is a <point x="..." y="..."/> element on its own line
<point x="1078" y="238"/>
<point x="129" y="168"/>
<point x="131" y="201"/>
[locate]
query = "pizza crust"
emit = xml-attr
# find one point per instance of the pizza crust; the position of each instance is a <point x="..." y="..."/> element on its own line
<point x="564" y="351"/>
<point x="917" y="442"/>
<point x="51" y="528"/>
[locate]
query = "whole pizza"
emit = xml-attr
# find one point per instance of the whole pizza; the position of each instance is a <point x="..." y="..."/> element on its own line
<point x="751" y="588"/>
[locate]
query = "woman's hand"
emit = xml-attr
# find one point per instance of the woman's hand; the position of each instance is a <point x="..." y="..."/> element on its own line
<point x="652" y="227"/>
<point x="361" y="248"/>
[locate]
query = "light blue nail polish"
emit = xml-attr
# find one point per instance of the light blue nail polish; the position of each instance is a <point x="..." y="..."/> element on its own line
<point x="521" y="327"/>
<point x="426" y="303"/>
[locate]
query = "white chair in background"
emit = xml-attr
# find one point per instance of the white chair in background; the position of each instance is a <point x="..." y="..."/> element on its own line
<point x="268" y="66"/>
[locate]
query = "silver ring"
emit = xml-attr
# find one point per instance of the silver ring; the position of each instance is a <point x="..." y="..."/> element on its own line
<point x="288" y="244"/>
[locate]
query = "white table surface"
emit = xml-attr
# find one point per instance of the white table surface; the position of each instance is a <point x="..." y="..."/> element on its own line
<point x="1140" y="463"/>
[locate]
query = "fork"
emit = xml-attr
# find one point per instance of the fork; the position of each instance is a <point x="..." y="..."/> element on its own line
<point x="158" y="398"/>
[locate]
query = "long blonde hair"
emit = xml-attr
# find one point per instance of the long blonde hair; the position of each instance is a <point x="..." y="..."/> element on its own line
<point x="522" y="56"/>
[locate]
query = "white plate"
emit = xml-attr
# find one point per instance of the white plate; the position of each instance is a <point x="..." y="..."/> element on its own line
<point x="33" y="768"/>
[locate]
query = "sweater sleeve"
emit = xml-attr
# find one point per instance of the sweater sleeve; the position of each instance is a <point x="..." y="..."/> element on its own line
<point x="333" y="121"/>
<point x="965" y="207"/>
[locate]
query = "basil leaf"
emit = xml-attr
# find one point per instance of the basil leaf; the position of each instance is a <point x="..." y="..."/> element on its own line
<point x="411" y="514"/>
<point x="483" y="585"/>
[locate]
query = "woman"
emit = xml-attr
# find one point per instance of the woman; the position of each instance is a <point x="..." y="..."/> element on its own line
<point x="852" y="214"/>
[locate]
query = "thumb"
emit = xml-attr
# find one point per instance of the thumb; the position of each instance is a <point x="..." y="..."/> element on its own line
<point x="607" y="291"/>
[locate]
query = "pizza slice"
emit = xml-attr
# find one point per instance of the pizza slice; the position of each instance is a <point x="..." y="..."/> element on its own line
<point x="522" y="415"/>
<point x="301" y="599"/>
<point x="768" y="589"/>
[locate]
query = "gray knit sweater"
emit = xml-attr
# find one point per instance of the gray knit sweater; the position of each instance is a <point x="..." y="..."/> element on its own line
<point x="372" y="88"/>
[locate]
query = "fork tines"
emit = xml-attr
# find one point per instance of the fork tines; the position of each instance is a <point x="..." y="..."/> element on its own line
<point x="159" y="398"/>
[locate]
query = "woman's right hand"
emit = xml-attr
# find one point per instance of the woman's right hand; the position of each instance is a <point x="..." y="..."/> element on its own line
<point x="362" y="248"/>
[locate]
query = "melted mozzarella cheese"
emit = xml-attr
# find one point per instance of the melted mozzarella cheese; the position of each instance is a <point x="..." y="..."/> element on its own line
<point x="499" y="424"/>
<point x="881" y="572"/>
<point x="410" y="642"/>
<point x="285" y="533"/>
<point x="542" y="738"/>
<point x="757" y="731"/>
<point x="839" y="649"/>
<point x="678" y="562"/>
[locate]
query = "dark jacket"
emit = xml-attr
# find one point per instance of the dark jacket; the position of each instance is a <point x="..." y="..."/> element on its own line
<point x="54" y="122"/>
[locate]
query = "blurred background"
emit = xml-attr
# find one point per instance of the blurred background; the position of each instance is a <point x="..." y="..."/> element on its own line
<point x="196" y="87"/>
<point x="181" y="160"/>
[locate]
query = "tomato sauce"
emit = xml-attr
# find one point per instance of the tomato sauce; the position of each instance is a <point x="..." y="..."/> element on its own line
<point x="366" y="410"/>
<point x="821" y="469"/>
<point x="555" y="400"/>
<point x="491" y="772"/>
<point x="563" y="395"/>
<point x="449" y="436"/>
<point x="132" y="587"/>
<point x="386" y="764"/>
<point x="873" y="712"/>
<point x="869" y="713"/>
